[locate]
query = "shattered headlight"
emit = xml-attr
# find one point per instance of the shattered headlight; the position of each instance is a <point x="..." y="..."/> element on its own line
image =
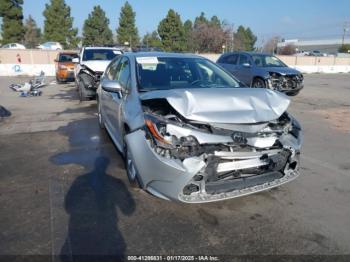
<point x="157" y="129"/>
<point x="274" y="75"/>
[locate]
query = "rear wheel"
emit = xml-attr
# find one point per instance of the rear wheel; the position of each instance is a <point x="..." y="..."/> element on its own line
<point x="258" y="83"/>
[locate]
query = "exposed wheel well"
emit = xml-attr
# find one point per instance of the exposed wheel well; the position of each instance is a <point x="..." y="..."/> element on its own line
<point x="126" y="128"/>
<point x="256" y="78"/>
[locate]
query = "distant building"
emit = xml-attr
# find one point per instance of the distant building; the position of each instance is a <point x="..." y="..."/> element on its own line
<point x="329" y="46"/>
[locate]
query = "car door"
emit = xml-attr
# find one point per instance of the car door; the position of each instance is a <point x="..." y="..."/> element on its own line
<point x="114" y="101"/>
<point x="244" y="69"/>
<point x="106" y="96"/>
<point x="229" y="62"/>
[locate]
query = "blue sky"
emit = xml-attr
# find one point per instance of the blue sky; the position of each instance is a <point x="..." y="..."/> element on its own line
<point x="287" y="18"/>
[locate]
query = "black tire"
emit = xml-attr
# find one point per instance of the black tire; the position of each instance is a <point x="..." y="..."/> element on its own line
<point x="258" y="83"/>
<point x="293" y="93"/>
<point x="100" y="116"/>
<point x="83" y="94"/>
<point x="133" y="176"/>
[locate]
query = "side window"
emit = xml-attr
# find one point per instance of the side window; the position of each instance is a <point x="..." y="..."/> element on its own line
<point x="243" y="59"/>
<point x="123" y="72"/>
<point x="111" y="71"/>
<point x="232" y="59"/>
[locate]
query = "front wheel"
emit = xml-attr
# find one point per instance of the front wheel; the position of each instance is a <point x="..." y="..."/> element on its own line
<point x="82" y="92"/>
<point x="100" y="116"/>
<point x="131" y="172"/>
<point x="258" y="83"/>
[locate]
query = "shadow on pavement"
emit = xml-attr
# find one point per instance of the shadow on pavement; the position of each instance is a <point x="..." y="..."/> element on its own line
<point x="92" y="203"/>
<point x="94" y="198"/>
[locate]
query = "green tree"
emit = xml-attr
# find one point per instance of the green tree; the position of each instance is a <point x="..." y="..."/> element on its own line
<point x="251" y="39"/>
<point x="127" y="30"/>
<point x="152" y="40"/>
<point x="200" y="20"/>
<point x="12" y="21"/>
<point x="32" y="36"/>
<point x="215" y="22"/>
<point x="96" y="29"/>
<point x="244" y="39"/>
<point x="172" y="33"/>
<point x="188" y="29"/>
<point x="58" y="25"/>
<point x="344" y="48"/>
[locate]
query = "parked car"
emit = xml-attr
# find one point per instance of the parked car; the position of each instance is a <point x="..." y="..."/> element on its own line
<point x="263" y="70"/>
<point x="14" y="46"/>
<point x="51" y="46"/>
<point x="190" y="133"/>
<point x="317" y="53"/>
<point x="65" y="66"/>
<point x="90" y="65"/>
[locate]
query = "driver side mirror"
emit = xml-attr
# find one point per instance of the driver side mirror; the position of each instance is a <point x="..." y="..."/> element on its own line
<point x="246" y="65"/>
<point x="75" y="60"/>
<point x="111" y="86"/>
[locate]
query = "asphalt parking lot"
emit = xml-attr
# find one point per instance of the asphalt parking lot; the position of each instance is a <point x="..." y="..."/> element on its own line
<point x="64" y="191"/>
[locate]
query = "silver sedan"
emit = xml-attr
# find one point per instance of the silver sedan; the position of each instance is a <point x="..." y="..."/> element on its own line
<point x="191" y="132"/>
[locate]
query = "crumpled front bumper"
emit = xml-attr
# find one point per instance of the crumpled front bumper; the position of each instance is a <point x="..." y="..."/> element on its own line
<point x="167" y="178"/>
<point x="287" y="84"/>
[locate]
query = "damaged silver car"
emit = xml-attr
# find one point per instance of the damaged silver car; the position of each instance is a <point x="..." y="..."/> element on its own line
<point x="190" y="132"/>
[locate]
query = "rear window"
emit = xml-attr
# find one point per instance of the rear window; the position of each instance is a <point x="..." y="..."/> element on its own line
<point x="67" y="57"/>
<point x="100" y="54"/>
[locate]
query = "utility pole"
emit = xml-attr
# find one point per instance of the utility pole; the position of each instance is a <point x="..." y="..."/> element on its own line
<point x="346" y="28"/>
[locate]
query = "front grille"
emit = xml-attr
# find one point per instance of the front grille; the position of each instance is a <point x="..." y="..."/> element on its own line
<point x="238" y="179"/>
<point x="242" y="183"/>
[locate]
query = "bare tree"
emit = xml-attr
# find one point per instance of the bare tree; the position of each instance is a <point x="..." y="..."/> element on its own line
<point x="209" y="38"/>
<point x="288" y="50"/>
<point x="270" y="46"/>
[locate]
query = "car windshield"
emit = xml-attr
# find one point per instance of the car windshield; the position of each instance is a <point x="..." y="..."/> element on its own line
<point x="163" y="73"/>
<point x="67" y="57"/>
<point x="99" y="54"/>
<point x="267" y="61"/>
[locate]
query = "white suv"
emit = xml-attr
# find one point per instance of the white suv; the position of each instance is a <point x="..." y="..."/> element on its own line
<point x="90" y="65"/>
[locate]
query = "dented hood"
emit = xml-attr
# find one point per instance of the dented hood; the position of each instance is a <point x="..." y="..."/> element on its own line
<point x="224" y="105"/>
<point x="97" y="66"/>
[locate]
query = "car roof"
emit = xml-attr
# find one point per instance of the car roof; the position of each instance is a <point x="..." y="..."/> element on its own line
<point x="162" y="54"/>
<point x="245" y="52"/>
<point x="68" y="53"/>
<point x="101" y="47"/>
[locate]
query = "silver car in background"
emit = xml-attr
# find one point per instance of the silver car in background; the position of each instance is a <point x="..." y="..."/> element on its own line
<point x="190" y="133"/>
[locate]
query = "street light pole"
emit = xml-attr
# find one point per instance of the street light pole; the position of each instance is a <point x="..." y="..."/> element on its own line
<point x="346" y="29"/>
